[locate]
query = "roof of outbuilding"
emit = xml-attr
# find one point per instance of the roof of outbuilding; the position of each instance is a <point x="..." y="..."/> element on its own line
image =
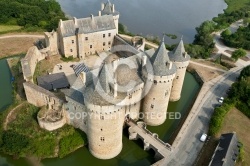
<point x="53" y="81"/>
<point x="87" y="25"/>
<point x="179" y="54"/>
<point x="225" y="154"/>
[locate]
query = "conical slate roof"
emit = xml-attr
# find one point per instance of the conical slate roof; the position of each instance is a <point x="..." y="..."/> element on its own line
<point x="179" y="54"/>
<point x="159" y="61"/>
<point x="104" y="78"/>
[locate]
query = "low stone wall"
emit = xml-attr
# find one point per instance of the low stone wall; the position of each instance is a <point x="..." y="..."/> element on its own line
<point x="50" y="126"/>
<point x="30" y="61"/>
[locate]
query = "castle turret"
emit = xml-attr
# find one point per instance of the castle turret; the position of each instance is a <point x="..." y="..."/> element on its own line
<point x="181" y="59"/>
<point x="105" y="119"/>
<point x="155" y="103"/>
<point x="109" y="9"/>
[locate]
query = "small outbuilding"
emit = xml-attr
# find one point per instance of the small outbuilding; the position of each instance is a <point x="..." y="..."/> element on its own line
<point x="226" y="153"/>
<point x="53" y="81"/>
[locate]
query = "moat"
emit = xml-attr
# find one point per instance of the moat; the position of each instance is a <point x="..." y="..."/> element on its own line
<point x="132" y="153"/>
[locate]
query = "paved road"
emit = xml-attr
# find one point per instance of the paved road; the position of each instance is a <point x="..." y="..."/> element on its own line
<point x="189" y="146"/>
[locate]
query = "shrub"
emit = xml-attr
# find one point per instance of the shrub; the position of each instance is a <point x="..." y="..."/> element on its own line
<point x="239" y="53"/>
<point x="70" y="143"/>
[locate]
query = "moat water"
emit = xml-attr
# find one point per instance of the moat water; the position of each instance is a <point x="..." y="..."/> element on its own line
<point x="141" y="17"/>
<point x="150" y="17"/>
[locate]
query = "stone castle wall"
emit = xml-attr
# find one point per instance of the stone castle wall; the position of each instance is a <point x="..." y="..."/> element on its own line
<point x="178" y="80"/>
<point x="51" y="42"/>
<point x="30" y="61"/>
<point x="155" y="103"/>
<point x="38" y="96"/>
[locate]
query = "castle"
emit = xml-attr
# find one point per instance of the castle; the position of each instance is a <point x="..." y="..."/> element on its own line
<point x="129" y="82"/>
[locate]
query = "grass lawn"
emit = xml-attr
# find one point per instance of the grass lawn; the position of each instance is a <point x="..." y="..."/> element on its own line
<point x="8" y="28"/>
<point x="236" y="4"/>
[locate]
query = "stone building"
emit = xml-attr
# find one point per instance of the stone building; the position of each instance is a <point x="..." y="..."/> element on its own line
<point x="130" y="81"/>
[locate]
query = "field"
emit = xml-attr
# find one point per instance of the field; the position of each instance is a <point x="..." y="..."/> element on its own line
<point x="234" y="5"/>
<point x="13" y="46"/>
<point x="9" y="28"/>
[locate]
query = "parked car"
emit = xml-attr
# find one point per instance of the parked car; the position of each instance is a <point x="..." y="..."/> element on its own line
<point x="203" y="137"/>
<point x="222" y="98"/>
<point x="220" y="101"/>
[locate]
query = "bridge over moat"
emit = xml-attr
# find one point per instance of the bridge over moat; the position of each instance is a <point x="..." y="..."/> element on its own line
<point x="151" y="140"/>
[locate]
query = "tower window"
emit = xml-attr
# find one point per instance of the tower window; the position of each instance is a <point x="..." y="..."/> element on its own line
<point x="86" y="38"/>
<point x="166" y="93"/>
<point x="103" y="35"/>
<point x="102" y="139"/>
<point x="155" y="82"/>
<point x="103" y="43"/>
<point x="177" y="77"/>
<point x="102" y="117"/>
<point x="152" y="106"/>
<point x="109" y="43"/>
<point x="90" y="46"/>
<point x="73" y="41"/>
<point x="71" y="50"/>
<point x="109" y="34"/>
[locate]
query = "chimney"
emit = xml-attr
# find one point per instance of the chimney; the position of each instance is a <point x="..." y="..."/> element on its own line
<point x="60" y="23"/>
<point x="115" y="88"/>
<point x="102" y="6"/>
<point x="169" y="65"/>
<point x="115" y="65"/>
<point x="75" y="21"/>
<point x="113" y="8"/>
<point x="92" y="16"/>
<point x="144" y="60"/>
<point x="83" y="77"/>
<point x="100" y="13"/>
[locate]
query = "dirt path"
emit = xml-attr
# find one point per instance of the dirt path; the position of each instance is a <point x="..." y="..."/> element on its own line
<point x="21" y="36"/>
<point x="9" y="115"/>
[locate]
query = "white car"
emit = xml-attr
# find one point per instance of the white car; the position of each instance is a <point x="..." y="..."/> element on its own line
<point x="220" y="101"/>
<point x="222" y="98"/>
<point x="203" y="137"/>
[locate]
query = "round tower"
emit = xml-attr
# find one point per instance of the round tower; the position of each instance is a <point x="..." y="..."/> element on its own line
<point x="155" y="103"/>
<point x="109" y="9"/>
<point x="181" y="59"/>
<point x="104" y="120"/>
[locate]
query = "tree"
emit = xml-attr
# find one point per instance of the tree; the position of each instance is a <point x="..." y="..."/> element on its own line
<point x="238" y="54"/>
<point x="226" y="33"/>
<point x="14" y="143"/>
